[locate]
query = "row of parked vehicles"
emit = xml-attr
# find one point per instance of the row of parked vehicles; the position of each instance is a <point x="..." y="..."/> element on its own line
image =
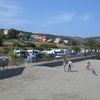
<point x="39" y="54"/>
<point x="25" y="53"/>
<point x="55" y="53"/>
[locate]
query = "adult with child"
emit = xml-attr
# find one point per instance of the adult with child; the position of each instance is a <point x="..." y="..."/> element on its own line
<point x="67" y="62"/>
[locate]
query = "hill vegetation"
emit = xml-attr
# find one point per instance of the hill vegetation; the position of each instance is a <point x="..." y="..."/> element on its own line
<point x="74" y="43"/>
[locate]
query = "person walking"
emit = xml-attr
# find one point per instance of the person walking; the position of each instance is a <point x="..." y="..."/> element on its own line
<point x="28" y="58"/>
<point x="69" y="65"/>
<point x="65" y="63"/>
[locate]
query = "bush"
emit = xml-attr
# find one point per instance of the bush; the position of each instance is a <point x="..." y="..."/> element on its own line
<point x="28" y="44"/>
<point x="48" y="46"/>
<point x="4" y="51"/>
<point x="16" y="44"/>
<point x="39" y="48"/>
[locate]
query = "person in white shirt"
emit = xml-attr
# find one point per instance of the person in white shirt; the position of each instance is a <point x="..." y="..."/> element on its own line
<point x="69" y="65"/>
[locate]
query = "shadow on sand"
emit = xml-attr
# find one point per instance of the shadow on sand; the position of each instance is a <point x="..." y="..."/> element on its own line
<point x="94" y="73"/>
<point x="4" y="74"/>
<point x="52" y="64"/>
<point x="73" y="71"/>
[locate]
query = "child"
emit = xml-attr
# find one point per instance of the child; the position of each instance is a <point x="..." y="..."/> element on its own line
<point x="69" y="65"/>
<point x="89" y="67"/>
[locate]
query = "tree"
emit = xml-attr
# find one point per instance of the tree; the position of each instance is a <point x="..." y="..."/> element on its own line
<point x="1" y="41"/>
<point x="75" y="43"/>
<point x="91" y="44"/>
<point x="12" y="56"/>
<point x="26" y="36"/>
<point x="76" y="48"/>
<point x="12" y="34"/>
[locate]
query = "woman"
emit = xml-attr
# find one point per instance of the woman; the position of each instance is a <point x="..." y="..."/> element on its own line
<point x="64" y="64"/>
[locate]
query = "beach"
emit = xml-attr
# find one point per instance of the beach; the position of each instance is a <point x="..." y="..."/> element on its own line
<point x="51" y="83"/>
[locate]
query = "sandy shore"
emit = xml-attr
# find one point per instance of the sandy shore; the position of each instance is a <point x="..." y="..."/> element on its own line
<point x="46" y="83"/>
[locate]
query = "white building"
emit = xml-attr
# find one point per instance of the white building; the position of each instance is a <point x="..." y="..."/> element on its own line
<point x="5" y="32"/>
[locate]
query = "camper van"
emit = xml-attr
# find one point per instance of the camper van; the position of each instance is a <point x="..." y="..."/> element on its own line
<point x="21" y="53"/>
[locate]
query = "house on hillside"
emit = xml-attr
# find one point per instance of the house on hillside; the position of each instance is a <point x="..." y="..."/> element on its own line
<point x="39" y="38"/>
<point x="6" y="31"/>
<point x="65" y="41"/>
<point x="57" y="40"/>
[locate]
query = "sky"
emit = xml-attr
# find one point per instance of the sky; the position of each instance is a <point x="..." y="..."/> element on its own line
<point x="59" y="17"/>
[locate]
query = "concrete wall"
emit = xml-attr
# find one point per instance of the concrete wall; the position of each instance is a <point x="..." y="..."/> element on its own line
<point x="60" y="62"/>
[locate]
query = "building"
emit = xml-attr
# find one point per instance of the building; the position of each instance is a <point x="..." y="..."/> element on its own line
<point x="65" y="41"/>
<point x="40" y="38"/>
<point x="5" y="32"/>
<point x="57" y="40"/>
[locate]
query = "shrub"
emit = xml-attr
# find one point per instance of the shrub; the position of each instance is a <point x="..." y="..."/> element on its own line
<point x="4" y="51"/>
<point x="16" y="44"/>
<point x="28" y="44"/>
<point x="48" y="46"/>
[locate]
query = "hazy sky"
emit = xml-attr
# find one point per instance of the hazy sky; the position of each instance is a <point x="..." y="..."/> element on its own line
<point x="63" y="17"/>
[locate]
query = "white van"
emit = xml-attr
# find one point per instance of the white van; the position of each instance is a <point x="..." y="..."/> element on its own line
<point x="21" y="53"/>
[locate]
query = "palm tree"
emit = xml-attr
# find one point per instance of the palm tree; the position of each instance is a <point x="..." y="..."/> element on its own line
<point x="91" y="44"/>
<point x="75" y="47"/>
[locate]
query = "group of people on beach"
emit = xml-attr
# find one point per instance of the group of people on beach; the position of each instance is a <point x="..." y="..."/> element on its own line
<point x="65" y="62"/>
<point x="68" y="62"/>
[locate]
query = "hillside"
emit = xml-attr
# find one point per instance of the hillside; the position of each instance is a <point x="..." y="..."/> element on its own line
<point x="71" y="39"/>
<point x="96" y="38"/>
